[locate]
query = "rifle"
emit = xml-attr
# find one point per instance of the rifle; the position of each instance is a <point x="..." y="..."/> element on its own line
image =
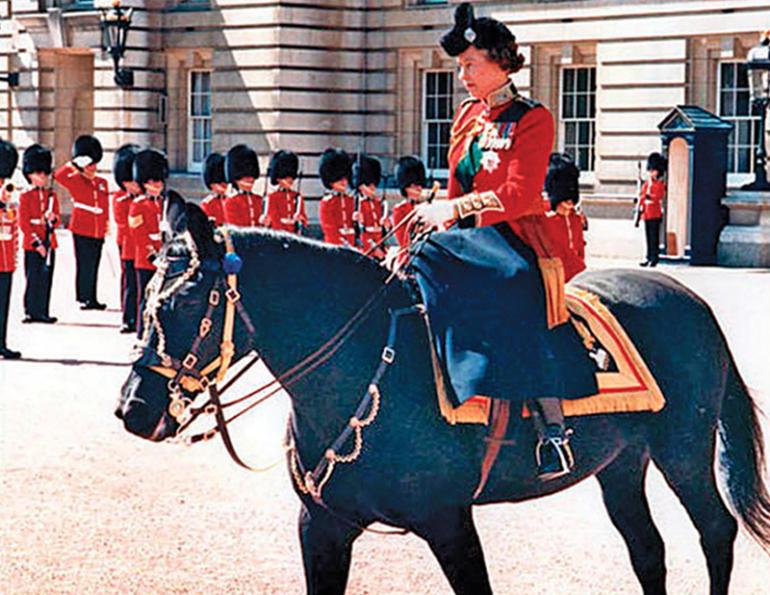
<point x="637" y="199"/>
<point x="357" y="205"/>
<point x="299" y="227"/>
<point x="48" y="231"/>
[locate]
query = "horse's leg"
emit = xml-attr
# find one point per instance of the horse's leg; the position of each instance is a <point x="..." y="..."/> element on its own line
<point x="451" y="535"/>
<point x="326" y="548"/>
<point x="622" y="483"/>
<point x="687" y="463"/>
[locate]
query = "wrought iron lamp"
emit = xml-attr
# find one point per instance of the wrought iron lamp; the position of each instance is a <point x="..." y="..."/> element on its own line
<point x="758" y="65"/>
<point x="115" y="23"/>
<point x="12" y="78"/>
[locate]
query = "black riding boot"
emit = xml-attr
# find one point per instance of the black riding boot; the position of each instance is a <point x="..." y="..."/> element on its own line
<point x="553" y="453"/>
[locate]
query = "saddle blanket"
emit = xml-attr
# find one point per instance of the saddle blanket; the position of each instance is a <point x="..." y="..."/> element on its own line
<point x="628" y="387"/>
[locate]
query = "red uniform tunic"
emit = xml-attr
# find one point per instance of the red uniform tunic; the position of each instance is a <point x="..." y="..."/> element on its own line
<point x="284" y="209"/>
<point x="144" y="230"/>
<point x="371" y="214"/>
<point x="243" y="209"/>
<point x="34" y="206"/>
<point x="90" y="201"/>
<point x="400" y="212"/>
<point x="9" y="238"/>
<point x="566" y="232"/>
<point x="336" y="215"/>
<point x="213" y="206"/>
<point x="121" y="204"/>
<point x="651" y="199"/>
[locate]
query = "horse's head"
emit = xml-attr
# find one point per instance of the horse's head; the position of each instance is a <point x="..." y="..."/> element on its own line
<point x="183" y="341"/>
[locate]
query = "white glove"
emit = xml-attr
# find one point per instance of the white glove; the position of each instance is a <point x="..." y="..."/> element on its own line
<point x="437" y="213"/>
<point x="82" y="161"/>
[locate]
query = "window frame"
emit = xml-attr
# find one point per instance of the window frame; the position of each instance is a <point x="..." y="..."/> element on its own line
<point x="424" y="124"/>
<point x="586" y="175"/>
<point x="193" y="166"/>
<point x="735" y="179"/>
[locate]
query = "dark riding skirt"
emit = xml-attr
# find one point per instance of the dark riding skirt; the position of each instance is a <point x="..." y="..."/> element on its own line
<point x="486" y="302"/>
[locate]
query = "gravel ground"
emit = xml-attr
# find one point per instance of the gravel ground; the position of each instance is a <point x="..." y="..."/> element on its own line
<point x="87" y="508"/>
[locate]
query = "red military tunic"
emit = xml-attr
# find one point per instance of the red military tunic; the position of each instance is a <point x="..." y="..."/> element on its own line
<point x="144" y="230"/>
<point x="651" y="199"/>
<point x="213" y="206"/>
<point x="371" y="214"/>
<point x="243" y="209"/>
<point x="34" y="206"/>
<point x="566" y="232"/>
<point x="9" y="238"/>
<point x="90" y="201"/>
<point x="336" y="215"/>
<point x="121" y="204"/>
<point x="400" y="212"/>
<point x="284" y="209"/>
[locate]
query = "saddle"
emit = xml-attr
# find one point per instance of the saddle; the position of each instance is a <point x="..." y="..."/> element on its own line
<point x="624" y="380"/>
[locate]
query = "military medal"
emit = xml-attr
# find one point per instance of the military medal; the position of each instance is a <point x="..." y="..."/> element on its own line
<point x="490" y="160"/>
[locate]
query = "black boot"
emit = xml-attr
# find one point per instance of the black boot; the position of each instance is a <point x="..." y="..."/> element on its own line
<point x="553" y="453"/>
<point x="9" y="353"/>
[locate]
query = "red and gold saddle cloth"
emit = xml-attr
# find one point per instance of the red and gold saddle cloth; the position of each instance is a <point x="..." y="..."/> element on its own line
<point x="629" y="387"/>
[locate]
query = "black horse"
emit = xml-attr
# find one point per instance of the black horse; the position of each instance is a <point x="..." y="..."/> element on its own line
<point x="418" y="473"/>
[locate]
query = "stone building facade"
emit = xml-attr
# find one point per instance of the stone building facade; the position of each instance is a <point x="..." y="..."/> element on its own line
<point x="368" y="75"/>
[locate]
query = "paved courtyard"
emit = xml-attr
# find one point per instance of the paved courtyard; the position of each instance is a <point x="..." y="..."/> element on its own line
<point x="88" y="508"/>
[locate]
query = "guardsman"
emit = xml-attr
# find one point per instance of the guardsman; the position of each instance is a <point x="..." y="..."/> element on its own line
<point x="337" y="207"/>
<point x="123" y="171"/>
<point x="215" y="180"/>
<point x="372" y="213"/>
<point x="565" y="224"/>
<point x="39" y="215"/>
<point x="651" y="206"/>
<point x="150" y="173"/>
<point x="9" y="241"/>
<point x="410" y="176"/>
<point x="243" y="207"/>
<point x="285" y="207"/>
<point x="90" y="213"/>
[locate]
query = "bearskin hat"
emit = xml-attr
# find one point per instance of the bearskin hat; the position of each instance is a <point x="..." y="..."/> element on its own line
<point x="150" y="164"/>
<point x="88" y="145"/>
<point x="214" y="170"/>
<point x="283" y="164"/>
<point x="562" y="182"/>
<point x="366" y="170"/>
<point x="409" y="170"/>
<point x="657" y="162"/>
<point x="241" y="162"/>
<point x="484" y="33"/>
<point x="9" y="158"/>
<point x="123" y="164"/>
<point x="36" y="159"/>
<point x="335" y="164"/>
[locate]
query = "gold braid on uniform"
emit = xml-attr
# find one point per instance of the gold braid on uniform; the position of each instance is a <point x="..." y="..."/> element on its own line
<point x="476" y="203"/>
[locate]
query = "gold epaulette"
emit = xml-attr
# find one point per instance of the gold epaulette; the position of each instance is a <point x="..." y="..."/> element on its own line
<point x="458" y="125"/>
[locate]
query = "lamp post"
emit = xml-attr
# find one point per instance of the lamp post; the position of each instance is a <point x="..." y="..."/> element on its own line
<point x="758" y="65"/>
<point x="12" y="78"/>
<point x="115" y="23"/>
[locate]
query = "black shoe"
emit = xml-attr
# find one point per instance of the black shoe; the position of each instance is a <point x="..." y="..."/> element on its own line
<point x="553" y="454"/>
<point x="93" y="306"/>
<point x="654" y="263"/>
<point x="128" y="328"/>
<point x="47" y="319"/>
<point x="645" y="263"/>
<point x="9" y="353"/>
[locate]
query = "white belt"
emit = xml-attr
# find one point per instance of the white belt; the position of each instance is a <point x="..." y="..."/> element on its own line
<point x="156" y="237"/>
<point x="36" y="221"/>
<point x="285" y="220"/>
<point x="373" y="229"/>
<point x="89" y="208"/>
<point x="4" y="237"/>
<point x="346" y="230"/>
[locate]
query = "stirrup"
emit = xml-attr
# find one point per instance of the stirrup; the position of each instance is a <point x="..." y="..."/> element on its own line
<point x="564" y="461"/>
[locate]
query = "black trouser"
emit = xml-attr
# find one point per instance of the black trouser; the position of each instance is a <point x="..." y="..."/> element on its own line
<point x="128" y="292"/>
<point x="652" y="232"/>
<point x="88" y="254"/>
<point x="37" y="294"/>
<point x="5" y="304"/>
<point x="143" y="277"/>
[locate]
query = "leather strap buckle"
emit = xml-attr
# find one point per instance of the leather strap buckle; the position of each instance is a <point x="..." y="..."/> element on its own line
<point x="388" y="355"/>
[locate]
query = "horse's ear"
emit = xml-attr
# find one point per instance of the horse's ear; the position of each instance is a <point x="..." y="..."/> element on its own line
<point x="176" y="215"/>
<point x="202" y="230"/>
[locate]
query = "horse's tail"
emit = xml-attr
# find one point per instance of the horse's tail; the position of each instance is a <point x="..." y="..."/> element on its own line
<point x="743" y="456"/>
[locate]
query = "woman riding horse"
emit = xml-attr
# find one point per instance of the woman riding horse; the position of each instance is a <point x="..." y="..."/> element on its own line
<point x="498" y="156"/>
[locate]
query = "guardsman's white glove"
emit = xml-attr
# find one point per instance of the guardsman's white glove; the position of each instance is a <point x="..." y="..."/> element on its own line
<point x="436" y="213"/>
<point x="82" y="161"/>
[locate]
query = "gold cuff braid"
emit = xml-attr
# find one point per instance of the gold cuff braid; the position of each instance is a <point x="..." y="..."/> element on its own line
<point x="477" y="203"/>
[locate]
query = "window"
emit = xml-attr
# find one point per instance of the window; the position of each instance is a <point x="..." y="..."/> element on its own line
<point x="199" y="119"/>
<point x="735" y="107"/>
<point x="578" y="115"/>
<point x="438" y="91"/>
